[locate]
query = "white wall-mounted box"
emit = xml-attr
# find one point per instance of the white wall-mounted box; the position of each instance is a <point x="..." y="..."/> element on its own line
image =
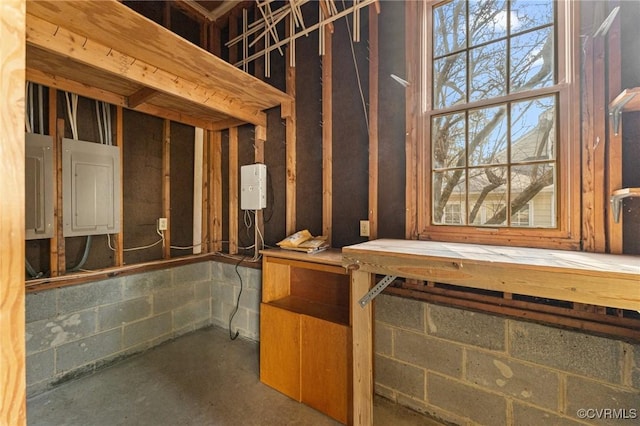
<point x="253" y="187"/>
<point x="38" y="186"/>
<point x="91" y="188"/>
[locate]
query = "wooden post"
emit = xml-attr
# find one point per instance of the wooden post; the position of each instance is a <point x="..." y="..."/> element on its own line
<point x="12" y="232"/>
<point x="58" y="218"/>
<point x="233" y="190"/>
<point x="373" y="123"/>
<point x="166" y="186"/>
<point x="362" y="338"/>
<point x="327" y="136"/>
<point x="215" y="191"/>
<point x="57" y="208"/>
<point x="412" y="32"/>
<point x="614" y="165"/>
<point x="119" y="253"/>
<point x="290" y="145"/>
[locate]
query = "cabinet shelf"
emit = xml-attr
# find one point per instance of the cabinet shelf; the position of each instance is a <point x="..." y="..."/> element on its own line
<point x="300" y="305"/>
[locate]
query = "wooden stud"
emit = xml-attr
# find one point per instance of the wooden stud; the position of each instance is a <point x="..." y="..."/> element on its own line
<point x="119" y="253"/>
<point x="327" y="136"/>
<point x="233" y="190"/>
<point x="412" y="11"/>
<point x="12" y="232"/>
<point x="206" y="206"/>
<point x="614" y="157"/>
<point x="166" y="186"/>
<point x="290" y="141"/>
<point x="57" y="208"/>
<point x="61" y="258"/>
<point x="373" y="123"/>
<point x="215" y="191"/>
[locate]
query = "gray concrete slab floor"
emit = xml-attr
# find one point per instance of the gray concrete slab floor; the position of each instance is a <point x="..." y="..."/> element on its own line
<point x="202" y="378"/>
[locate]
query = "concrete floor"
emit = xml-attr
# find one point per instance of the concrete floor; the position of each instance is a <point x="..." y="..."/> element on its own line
<point x="202" y="378"/>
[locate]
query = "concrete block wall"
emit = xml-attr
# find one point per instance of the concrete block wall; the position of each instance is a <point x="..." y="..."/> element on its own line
<point x="473" y="368"/>
<point x="73" y="330"/>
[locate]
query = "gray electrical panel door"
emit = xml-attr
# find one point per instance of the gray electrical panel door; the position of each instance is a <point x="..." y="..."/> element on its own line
<point x="38" y="186"/>
<point x="91" y="188"/>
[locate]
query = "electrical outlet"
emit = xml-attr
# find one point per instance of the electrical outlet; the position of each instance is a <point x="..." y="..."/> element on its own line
<point x="364" y="228"/>
<point x="162" y="224"/>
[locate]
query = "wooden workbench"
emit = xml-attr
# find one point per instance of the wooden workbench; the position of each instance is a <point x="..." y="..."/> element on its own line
<point x="591" y="278"/>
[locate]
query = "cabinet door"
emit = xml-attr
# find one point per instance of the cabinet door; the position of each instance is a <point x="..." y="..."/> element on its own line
<point x="325" y="359"/>
<point x="280" y="350"/>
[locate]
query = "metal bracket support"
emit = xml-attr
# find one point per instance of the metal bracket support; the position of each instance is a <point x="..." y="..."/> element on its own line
<point x="376" y="290"/>
<point x="616" y="111"/>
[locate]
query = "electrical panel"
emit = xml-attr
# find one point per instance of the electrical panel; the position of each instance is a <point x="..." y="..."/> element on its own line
<point x="91" y="188"/>
<point x="38" y="186"/>
<point x="253" y="187"/>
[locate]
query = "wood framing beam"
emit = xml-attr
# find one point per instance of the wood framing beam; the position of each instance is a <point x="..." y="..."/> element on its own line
<point x="207" y="208"/>
<point x="362" y="347"/>
<point x="13" y="409"/>
<point x="614" y="157"/>
<point x="141" y="96"/>
<point x="412" y="50"/>
<point x="118" y="258"/>
<point x="62" y="42"/>
<point x="57" y="208"/>
<point x="215" y="191"/>
<point x="290" y="140"/>
<point x="233" y="190"/>
<point x="327" y="136"/>
<point x="593" y="147"/>
<point x="58" y="218"/>
<point x="61" y="83"/>
<point x="166" y="186"/>
<point x="373" y="123"/>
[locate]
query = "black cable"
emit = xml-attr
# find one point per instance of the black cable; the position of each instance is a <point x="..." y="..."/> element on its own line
<point x="235" y="310"/>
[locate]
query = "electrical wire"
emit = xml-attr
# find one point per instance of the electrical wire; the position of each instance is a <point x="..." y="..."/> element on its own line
<point x="355" y="64"/>
<point x="161" y="240"/>
<point x="235" y="309"/>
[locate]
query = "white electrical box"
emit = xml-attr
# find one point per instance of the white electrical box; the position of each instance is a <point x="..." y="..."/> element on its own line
<point x="91" y="188"/>
<point x="253" y="187"/>
<point x="38" y="186"/>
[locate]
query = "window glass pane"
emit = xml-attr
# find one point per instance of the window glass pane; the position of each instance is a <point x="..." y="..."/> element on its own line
<point x="488" y="136"/>
<point x="532" y="60"/>
<point x="527" y="14"/>
<point x="448" y="141"/>
<point x="449" y="27"/>
<point x="488" y="196"/>
<point x="489" y="21"/>
<point x="488" y="69"/>
<point x="522" y="217"/>
<point x="535" y="184"/>
<point x="533" y="130"/>
<point x="448" y="189"/>
<point x="449" y="80"/>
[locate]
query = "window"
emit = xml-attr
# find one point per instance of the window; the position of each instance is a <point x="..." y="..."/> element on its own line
<point x="497" y="129"/>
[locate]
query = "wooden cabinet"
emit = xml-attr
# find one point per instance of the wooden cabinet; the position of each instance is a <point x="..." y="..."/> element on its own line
<point x="305" y="337"/>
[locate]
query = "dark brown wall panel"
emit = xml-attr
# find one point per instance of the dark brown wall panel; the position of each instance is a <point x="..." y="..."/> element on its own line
<point x="391" y="163"/>
<point x="350" y="135"/>
<point x="182" y="168"/>
<point x="142" y="185"/>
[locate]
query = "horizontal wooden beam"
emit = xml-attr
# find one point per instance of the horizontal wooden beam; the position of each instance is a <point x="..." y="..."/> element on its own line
<point x="141" y="96"/>
<point x="61" y="83"/>
<point x="62" y="42"/>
